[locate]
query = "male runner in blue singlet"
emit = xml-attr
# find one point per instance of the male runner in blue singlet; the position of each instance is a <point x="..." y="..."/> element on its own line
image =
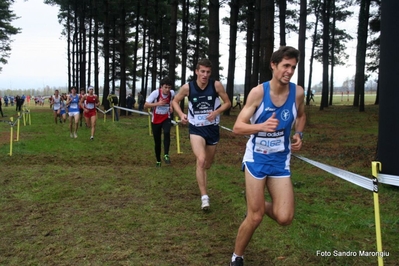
<point x="271" y="111"/>
<point x="204" y="109"/>
<point x="73" y="112"/>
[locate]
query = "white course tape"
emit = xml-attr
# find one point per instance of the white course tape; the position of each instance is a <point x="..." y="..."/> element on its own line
<point x="228" y="129"/>
<point x="356" y="179"/>
<point x="388" y="179"/>
<point x="131" y="110"/>
<point x="98" y="109"/>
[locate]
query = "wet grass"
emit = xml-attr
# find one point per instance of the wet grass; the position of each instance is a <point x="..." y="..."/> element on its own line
<point x="70" y="201"/>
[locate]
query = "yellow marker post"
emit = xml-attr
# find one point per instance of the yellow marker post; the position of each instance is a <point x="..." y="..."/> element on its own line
<point x="11" y="135"/>
<point x="23" y="116"/>
<point x="18" y="126"/>
<point x="25" y="112"/>
<point x="177" y="136"/>
<point x="29" y="118"/>
<point x="376" y="167"/>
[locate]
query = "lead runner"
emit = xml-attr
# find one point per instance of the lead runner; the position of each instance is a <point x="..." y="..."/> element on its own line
<point x="271" y="111"/>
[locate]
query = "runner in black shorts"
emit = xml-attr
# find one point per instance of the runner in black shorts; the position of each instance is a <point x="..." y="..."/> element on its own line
<point x="204" y="111"/>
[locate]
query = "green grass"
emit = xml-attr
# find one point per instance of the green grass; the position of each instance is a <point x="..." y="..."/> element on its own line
<point x="70" y="201"/>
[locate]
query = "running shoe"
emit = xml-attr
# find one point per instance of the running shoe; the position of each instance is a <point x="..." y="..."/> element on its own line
<point x="75" y="135"/>
<point x="166" y="159"/>
<point x="158" y="164"/>
<point x="205" y="204"/>
<point x="239" y="262"/>
<point x="91" y="138"/>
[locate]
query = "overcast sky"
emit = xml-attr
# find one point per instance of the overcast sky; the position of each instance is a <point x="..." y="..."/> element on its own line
<point x="38" y="56"/>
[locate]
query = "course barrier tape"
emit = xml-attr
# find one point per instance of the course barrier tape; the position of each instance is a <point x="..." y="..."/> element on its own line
<point x="131" y="110"/>
<point x="367" y="183"/>
<point x="104" y="112"/>
<point x="356" y="179"/>
<point x="10" y="123"/>
<point x="388" y="179"/>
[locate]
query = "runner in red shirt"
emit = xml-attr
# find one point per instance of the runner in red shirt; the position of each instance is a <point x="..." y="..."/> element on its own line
<point x="88" y="103"/>
<point x="160" y="101"/>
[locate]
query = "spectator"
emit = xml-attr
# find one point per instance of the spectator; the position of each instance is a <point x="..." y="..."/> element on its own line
<point x="130" y="101"/>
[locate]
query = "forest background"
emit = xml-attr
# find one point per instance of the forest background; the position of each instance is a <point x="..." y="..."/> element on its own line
<point x="130" y="41"/>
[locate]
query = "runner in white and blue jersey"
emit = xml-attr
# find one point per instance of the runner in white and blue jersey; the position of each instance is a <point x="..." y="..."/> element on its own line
<point x="271" y="111"/>
<point x="73" y="112"/>
<point x="55" y="102"/>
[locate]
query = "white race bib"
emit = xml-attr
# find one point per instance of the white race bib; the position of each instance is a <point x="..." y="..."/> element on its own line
<point x="162" y="110"/>
<point x="269" y="142"/>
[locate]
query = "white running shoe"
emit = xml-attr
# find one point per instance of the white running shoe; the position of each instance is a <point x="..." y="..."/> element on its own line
<point x="205" y="204"/>
<point x="75" y="135"/>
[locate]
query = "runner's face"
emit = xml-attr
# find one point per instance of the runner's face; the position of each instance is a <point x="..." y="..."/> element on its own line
<point x="284" y="70"/>
<point x="203" y="73"/>
<point x="166" y="89"/>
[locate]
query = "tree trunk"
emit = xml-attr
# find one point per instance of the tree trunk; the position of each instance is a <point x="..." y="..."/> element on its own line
<point x="173" y="40"/>
<point x="135" y="47"/>
<point x="186" y="15"/>
<point x="105" y="101"/>
<point x="332" y="54"/>
<point x="256" y="63"/>
<point x="266" y="39"/>
<point x="70" y="71"/>
<point x="234" y="9"/>
<point x="282" y="5"/>
<point x="361" y="54"/>
<point x="250" y="16"/>
<point x="326" y="40"/>
<point x="122" y="56"/>
<point x="213" y="49"/>
<point x="90" y="35"/>
<point x="82" y="63"/>
<point x="302" y="42"/>
<point x="317" y="14"/>
<point x="143" y="59"/>
<point x="96" y="51"/>
<point x="155" y="50"/>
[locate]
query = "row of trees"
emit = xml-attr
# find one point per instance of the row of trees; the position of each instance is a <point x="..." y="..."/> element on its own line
<point x="145" y="40"/>
<point x="7" y="30"/>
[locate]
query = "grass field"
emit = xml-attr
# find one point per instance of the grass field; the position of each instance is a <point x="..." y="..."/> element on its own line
<point x="70" y="201"/>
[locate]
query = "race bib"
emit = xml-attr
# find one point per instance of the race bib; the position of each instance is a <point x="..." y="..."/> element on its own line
<point x="90" y="106"/>
<point x="162" y="110"/>
<point x="74" y="105"/>
<point x="200" y="120"/>
<point x="269" y="142"/>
